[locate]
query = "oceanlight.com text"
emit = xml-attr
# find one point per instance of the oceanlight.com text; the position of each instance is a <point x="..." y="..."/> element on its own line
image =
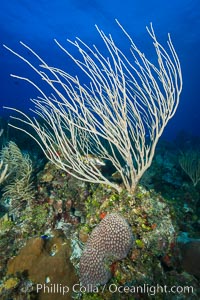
<point x="150" y="289"/>
<point x="56" y="288"/>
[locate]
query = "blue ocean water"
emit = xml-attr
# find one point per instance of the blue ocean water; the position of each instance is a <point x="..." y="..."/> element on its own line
<point x="37" y="23"/>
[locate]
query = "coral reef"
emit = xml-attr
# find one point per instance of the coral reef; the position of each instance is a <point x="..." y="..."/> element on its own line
<point x="64" y="215"/>
<point x="111" y="240"/>
<point x="155" y="255"/>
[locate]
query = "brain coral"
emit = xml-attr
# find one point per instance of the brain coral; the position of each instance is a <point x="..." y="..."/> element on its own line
<point x="111" y="240"/>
